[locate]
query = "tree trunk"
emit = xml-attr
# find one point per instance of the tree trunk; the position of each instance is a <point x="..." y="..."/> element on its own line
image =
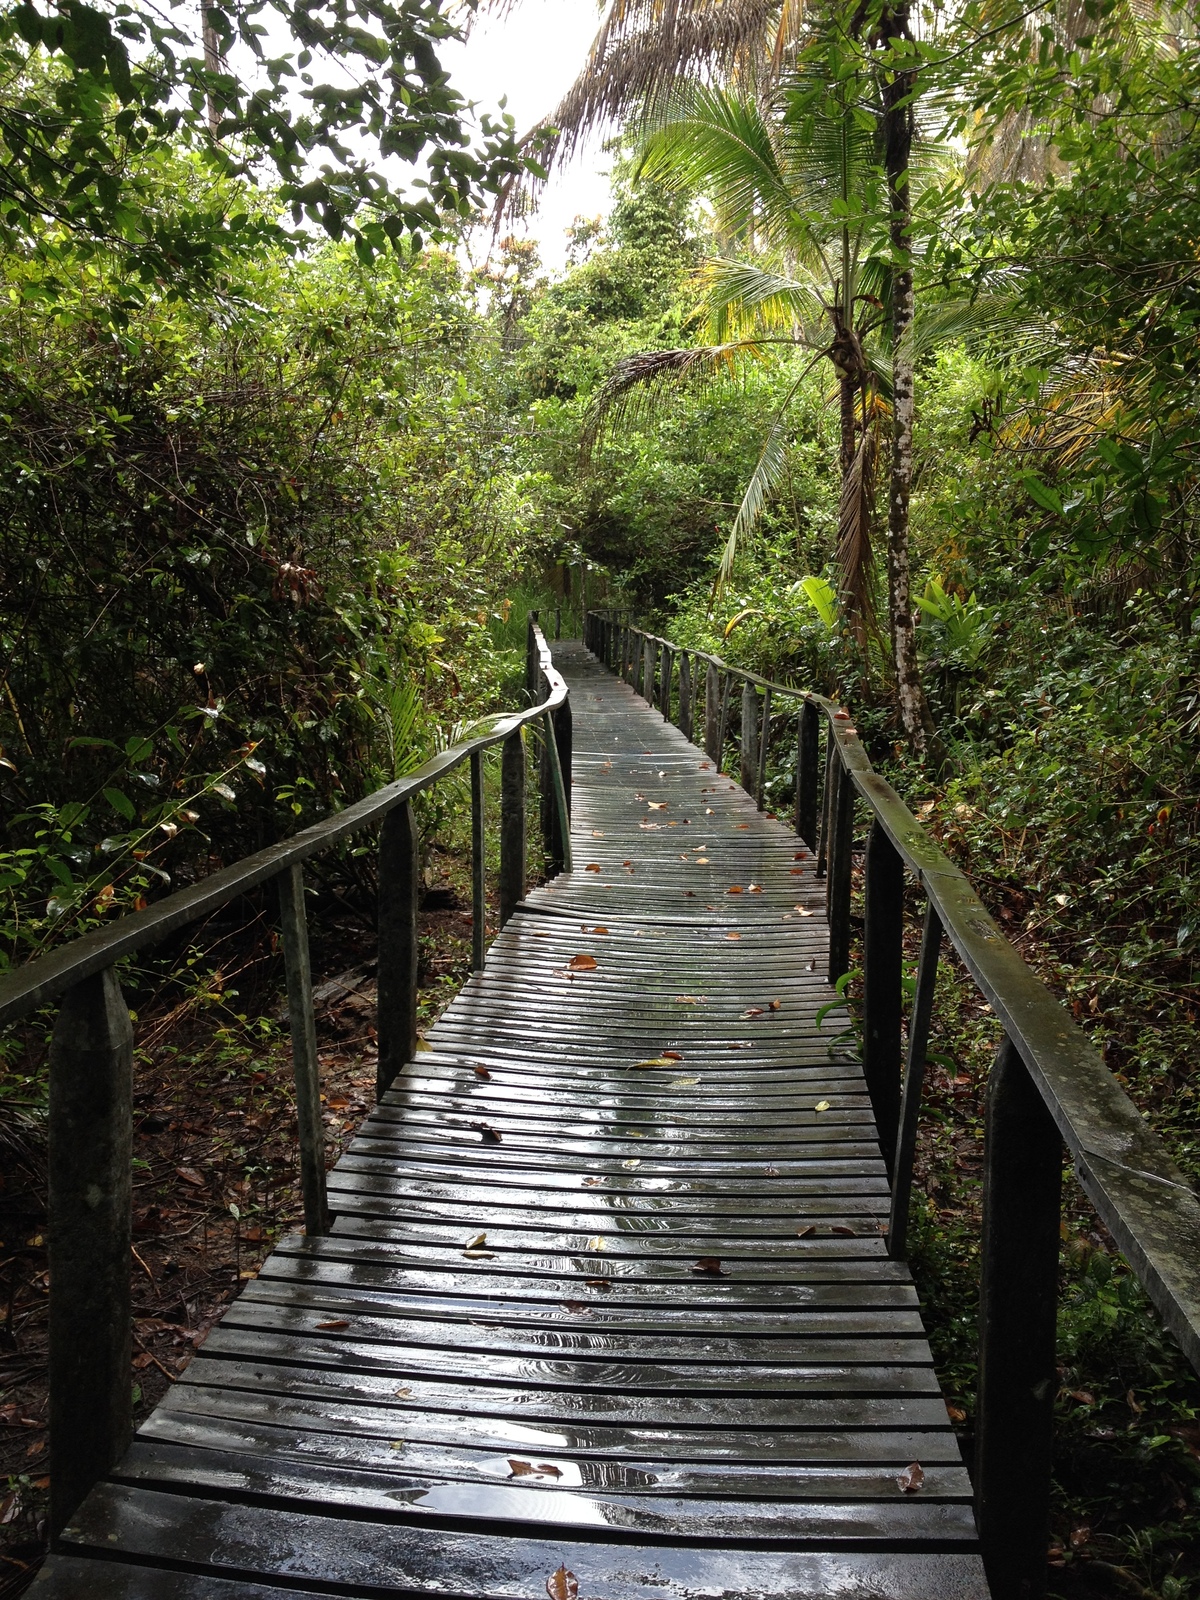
<point x="898" y="136"/>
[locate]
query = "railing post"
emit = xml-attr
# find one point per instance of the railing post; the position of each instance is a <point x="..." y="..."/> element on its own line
<point x="558" y="622"/>
<point x="749" y="752"/>
<point x="1022" y="1196"/>
<point x="399" y="882"/>
<point x="764" y="735"/>
<point x="666" y="657"/>
<point x="883" y="954"/>
<point x="647" y="679"/>
<point x="306" y="1067"/>
<point x="837" y="883"/>
<point x="558" y="759"/>
<point x="726" y="692"/>
<point x="828" y="791"/>
<point x="512" y="824"/>
<point x="90" y="1228"/>
<point x="532" y="664"/>
<point x="807" y="761"/>
<point x="712" y="714"/>
<point x="478" y="864"/>
<point x="914" y="1081"/>
<point x="685" y="694"/>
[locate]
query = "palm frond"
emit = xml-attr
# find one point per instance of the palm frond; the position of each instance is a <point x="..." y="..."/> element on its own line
<point x="635" y="384"/>
<point x="722" y="144"/>
<point x="992" y="319"/>
<point x="760" y="298"/>
<point x="643" y="47"/>
<point x="767" y="472"/>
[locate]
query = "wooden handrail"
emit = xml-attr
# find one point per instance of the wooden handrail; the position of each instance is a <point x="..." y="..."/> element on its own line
<point x="91" y="1053"/>
<point x="1122" y="1165"/>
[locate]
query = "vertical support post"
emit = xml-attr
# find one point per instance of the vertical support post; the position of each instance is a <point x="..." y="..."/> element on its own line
<point x="512" y="824"/>
<point x="90" y="1198"/>
<point x="647" y="683"/>
<point x="1022" y="1197"/>
<point x="478" y="864"/>
<point x="558" y="759"/>
<point x="532" y="664"/>
<point x="666" y="657"/>
<point x="726" y="693"/>
<point x="760" y="778"/>
<point x="828" y="791"/>
<point x="883" y="954"/>
<point x="807" y="761"/>
<point x="712" y="715"/>
<point x="399" y="882"/>
<point x="837" y="884"/>
<point x="685" y="694"/>
<point x="306" y="1067"/>
<point x="749" y="752"/>
<point x="914" y="1081"/>
<point x="558" y="622"/>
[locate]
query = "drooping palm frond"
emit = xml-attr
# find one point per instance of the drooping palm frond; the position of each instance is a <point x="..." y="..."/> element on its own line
<point x="748" y="297"/>
<point x="767" y="472"/>
<point x="855" y="556"/>
<point x="636" y="382"/>
<point x="995" y="319"/>
<point x="642" y="48"/>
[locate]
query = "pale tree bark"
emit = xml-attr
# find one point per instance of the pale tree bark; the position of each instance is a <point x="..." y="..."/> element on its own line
<point x="898" y="137"/>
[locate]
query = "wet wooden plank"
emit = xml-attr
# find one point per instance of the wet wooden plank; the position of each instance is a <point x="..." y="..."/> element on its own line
<point x="732" y="1427"/>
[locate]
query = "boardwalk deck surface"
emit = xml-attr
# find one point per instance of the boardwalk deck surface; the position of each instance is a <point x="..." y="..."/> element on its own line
<point x="577" y="1311"/>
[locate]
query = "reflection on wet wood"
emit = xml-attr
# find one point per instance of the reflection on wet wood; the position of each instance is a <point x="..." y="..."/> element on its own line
<point x="607" y="1286"/>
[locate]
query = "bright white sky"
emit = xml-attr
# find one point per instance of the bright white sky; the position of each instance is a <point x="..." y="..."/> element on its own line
<point x="533" y="55"/>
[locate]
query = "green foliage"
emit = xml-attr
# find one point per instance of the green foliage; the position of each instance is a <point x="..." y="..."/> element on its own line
<point x="98" y="97"/>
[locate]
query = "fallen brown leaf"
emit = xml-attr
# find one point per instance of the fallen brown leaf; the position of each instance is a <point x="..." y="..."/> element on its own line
<point x="190" y="1175"/>
<point x="582" y="963"/>
<point x="733" y="936"/>
<point x="477" y="1243"/>
<point x="562" y="1585"/>
<point x="335" y="1326"/>
<point x="592" y="866"/>
<point x="672" y="1055"/>
<point x="481" y="1072"/>
<point x="775" y="1005"/>
<point x="711" y="1265"/>
<point x="734" y="888"/>
<point x="578" y="1308"/>
<point x="752" y="1011"/>
<point x="847" y="1233"/>
<point x="803" y="1233"/>
<point x="911" y="1479"/>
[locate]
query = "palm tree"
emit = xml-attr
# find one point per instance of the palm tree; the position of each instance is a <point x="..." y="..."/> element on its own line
<point x="796" y="168"/>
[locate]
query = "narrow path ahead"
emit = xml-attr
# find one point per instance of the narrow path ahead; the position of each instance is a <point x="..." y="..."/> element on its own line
<point x="606" y="1295"/>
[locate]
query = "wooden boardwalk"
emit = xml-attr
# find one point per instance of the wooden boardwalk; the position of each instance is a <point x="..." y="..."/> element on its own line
<point x="606" y="1291"/>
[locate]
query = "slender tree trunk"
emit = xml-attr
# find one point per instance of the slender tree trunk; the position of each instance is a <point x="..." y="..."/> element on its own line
<point x="898" y="137"/>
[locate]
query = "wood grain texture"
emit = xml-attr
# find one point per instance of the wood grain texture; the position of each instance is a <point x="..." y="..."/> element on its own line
<point x="607" y="1285"/>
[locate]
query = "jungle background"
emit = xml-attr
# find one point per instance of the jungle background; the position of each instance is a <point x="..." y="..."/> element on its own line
<point x="282" y="473"/>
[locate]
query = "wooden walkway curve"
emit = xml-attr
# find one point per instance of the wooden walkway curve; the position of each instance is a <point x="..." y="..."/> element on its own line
<point x="606" y="1293"/>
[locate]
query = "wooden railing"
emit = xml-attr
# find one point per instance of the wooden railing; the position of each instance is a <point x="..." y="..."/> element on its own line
<point x="1048" y="1086"/>
<point x="91" y="1052"/>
